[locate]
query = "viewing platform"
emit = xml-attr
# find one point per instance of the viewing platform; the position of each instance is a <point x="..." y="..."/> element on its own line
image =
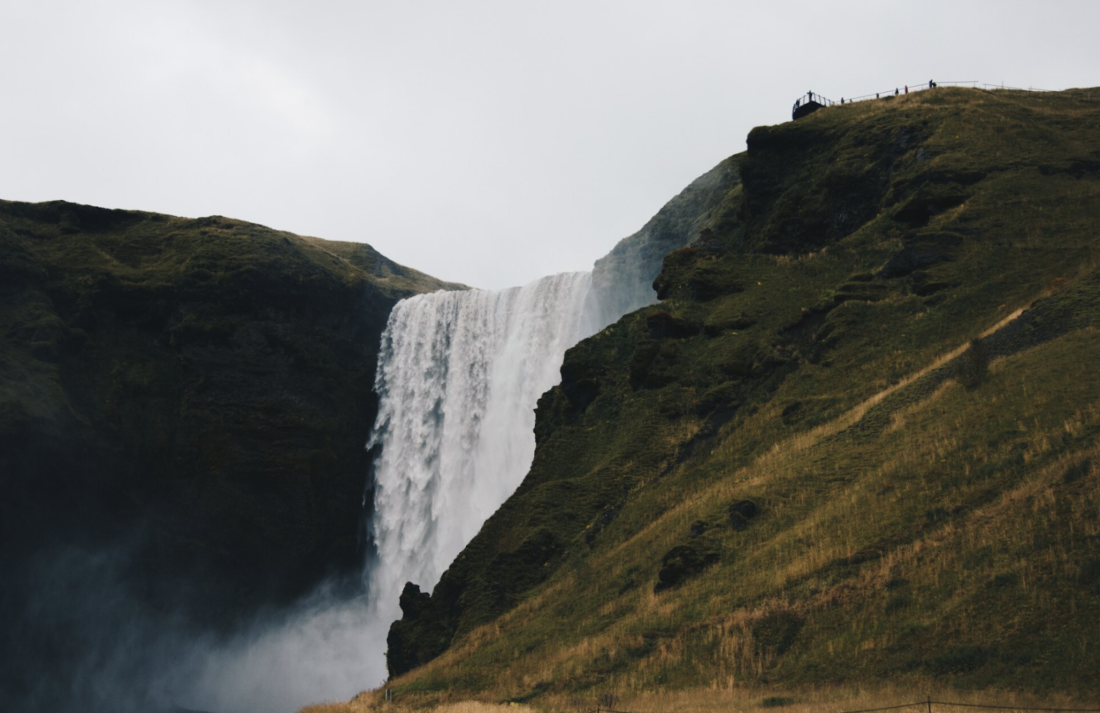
<point x="808" y="103"/>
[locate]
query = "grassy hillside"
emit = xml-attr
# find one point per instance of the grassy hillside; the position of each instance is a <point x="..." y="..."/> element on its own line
<point x="196" y="390"/>
<point x="855" y="443"/>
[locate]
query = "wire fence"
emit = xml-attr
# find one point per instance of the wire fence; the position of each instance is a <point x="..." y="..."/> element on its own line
<point x="912" y="88"/>
<point x="815" y="98"/>
<point x="926" y="704"/>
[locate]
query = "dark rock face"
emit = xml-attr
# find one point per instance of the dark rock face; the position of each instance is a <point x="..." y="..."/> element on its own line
<point x="841" y="181"/>
<point x="972" y="365"/>
<point x="578" y="384"/>
<point x="741" y="512"/>
<point x="777" y="631"/>
<point x="682" y="562"/>
<point x="663" y="325"/>
<point x="412" y="600"/>
<point x="203" y="387"/>
<point x="920" y="251"/>
<point x="429" y="623"/>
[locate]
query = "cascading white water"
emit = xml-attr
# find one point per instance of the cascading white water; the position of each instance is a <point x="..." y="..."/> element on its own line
<point x="459" y="374"/>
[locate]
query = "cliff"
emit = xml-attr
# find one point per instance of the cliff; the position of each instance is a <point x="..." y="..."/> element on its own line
<point x="856" y="441"/>
<point x="198" y="392"/>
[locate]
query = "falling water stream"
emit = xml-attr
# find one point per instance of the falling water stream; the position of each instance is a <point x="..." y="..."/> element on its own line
<point x="459" y="374"/>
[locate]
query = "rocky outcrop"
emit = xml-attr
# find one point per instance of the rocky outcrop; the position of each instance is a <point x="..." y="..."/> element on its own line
<point x="622" y="279"/>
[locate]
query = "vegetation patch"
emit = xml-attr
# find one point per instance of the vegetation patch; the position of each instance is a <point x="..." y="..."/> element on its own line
<point x="776" y="702"/>
<point x="681" y="563"/>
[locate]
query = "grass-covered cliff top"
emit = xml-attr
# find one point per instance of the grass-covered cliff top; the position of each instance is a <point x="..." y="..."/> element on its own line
<point x="800" y="469"/>
<point x="156" y="249"/>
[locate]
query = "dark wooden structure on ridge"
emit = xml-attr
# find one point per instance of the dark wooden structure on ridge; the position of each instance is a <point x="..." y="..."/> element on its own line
<point x="808" y="103"/>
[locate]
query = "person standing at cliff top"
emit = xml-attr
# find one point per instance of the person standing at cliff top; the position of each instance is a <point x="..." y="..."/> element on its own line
<point x="906" y="88"/>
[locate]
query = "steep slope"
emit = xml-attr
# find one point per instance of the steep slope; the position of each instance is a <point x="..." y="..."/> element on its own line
<point x="621" y="281"/>
<point x="795" y="469"/>
<point x="195" y="391"/>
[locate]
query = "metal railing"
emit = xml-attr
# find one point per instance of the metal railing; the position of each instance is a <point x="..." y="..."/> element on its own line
<point x="911" y="88"/>
<point x="811" y="98"/>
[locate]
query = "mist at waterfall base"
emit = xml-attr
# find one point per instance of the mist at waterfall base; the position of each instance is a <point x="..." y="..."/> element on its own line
<point x="80" y="636"/>
<point x="459" y="375"/>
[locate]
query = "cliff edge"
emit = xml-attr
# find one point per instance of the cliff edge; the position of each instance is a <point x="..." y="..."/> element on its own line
<point x="197" y="392"/>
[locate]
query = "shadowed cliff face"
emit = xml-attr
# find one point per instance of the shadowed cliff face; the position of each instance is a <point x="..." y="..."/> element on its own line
<point x="200" y="390"/>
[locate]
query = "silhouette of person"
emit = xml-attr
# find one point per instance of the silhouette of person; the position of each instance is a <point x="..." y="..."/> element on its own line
<point x="906" y="88"/>
<point x="876" y="95"/>
<point x="895" y="91"/>
<point x="931" y="84"/>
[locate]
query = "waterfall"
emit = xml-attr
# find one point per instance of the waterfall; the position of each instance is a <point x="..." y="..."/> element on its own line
<point x="459" y="374"/>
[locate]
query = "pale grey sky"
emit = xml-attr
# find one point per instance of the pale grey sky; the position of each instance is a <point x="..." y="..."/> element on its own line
<point x="487" y="142"/>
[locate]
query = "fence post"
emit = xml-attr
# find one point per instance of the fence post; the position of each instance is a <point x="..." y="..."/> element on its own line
<point x="929" y="704"/>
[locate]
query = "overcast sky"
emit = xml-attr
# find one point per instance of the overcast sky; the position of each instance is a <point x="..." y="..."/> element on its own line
<point x="484" y="142"/>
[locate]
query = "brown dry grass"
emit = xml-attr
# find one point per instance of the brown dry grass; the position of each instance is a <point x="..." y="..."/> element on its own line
<point x="372" y="701"/>
<point x="820" y="699"/>
<point x="834" y="530"/>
